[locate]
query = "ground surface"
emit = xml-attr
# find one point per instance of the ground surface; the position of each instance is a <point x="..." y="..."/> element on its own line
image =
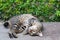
<point x="51" y="32"/>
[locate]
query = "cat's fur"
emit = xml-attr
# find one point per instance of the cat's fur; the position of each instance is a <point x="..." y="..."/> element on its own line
<point x="14" y="25"/>
<point x="35" y="27"/>
<point x="31" y="23"/>
<point x="23" y="23"/>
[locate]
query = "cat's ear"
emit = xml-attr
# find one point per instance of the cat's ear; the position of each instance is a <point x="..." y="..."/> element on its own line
<point x="40" y="34"/>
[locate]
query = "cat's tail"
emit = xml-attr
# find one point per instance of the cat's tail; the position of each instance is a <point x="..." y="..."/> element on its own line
<point x="6" y="24"/>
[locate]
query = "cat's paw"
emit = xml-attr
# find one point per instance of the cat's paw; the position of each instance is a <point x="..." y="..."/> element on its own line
<point x="10" y="35"/>
<point x="40" y="34"/>
<point x="14" y="36"/>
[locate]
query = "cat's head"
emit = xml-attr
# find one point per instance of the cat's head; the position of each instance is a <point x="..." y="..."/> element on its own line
<point x="32" y="30"/>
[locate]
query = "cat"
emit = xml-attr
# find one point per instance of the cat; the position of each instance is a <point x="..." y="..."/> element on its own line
<point x="23" y="24"/>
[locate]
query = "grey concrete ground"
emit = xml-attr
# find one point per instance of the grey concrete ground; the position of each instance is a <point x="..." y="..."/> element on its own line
<point x="51" y="32"/>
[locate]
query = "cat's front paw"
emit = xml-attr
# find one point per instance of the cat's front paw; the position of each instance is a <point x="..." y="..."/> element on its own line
<point x="40" y="34"/>
<point x="14" y="36"/>
<point x="10" y="35"/>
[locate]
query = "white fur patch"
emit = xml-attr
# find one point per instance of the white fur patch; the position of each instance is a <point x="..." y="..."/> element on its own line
<point x="40" y="34"/>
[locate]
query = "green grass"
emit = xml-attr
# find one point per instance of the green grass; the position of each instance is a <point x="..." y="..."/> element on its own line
<point x="46" y="11"/>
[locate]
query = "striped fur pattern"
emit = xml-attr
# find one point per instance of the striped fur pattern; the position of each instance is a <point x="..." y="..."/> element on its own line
<point x="25" y="23"/>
